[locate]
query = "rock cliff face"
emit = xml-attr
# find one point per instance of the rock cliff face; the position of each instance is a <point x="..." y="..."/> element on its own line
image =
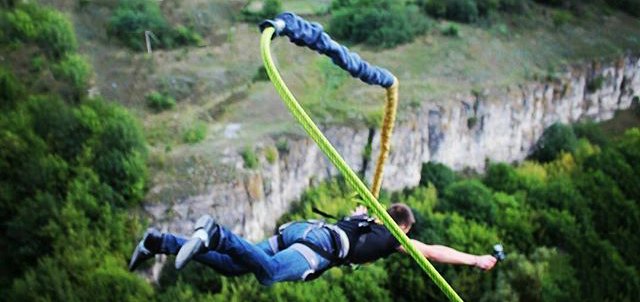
<point x="462" y="132"/>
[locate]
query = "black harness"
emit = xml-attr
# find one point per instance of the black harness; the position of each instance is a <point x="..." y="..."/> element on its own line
<point x="354" y="227"/>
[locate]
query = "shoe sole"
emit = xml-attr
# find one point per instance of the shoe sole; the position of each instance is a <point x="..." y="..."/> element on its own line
<point x="187" y="251"/>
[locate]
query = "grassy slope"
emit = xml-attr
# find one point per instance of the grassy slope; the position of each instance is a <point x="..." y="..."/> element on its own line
<point x="220" y="91"/>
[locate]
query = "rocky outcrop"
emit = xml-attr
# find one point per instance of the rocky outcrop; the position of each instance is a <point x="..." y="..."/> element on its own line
<point x="463" y="132"/>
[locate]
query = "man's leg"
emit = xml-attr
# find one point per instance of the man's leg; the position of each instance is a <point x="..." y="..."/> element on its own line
<point x="222" y="263"/>
<point x="155" y="242"/>
<point x="286" y="265"/>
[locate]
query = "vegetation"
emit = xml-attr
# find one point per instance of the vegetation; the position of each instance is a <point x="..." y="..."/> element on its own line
<point x="250" y="158"/>
<point x="132" y="19"/>
<point x="160" y="102"/>
<point x="195" y="133"/>
<point x="555" y="139"/>
<point x="70" y="167"/>
<point x="270" y="9"/>
<point x="384" y="23"/>
<point x="568" y="226"/>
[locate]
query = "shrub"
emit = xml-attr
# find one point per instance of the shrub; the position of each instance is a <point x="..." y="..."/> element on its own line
<point x="362" y="22"/>
<point x="186" y="36"/>
<point x="271" y="154"/>
<point x="514" y="6"/>
<point x="196" y="133"/>
<point x="261" y="74"/>
<point x="250" y="158"/>
<point x="75" y="72"/>
<point x="270" y="9"/>
<point x="132" y="18"/>
<point x="595" y="83"/>
<point x="10" y="88"/>
<point x="48" y="28"/>
<point x="453" y="30"/>
<point x="561" y="17"/>
<point x="555" y="139"/>
<point x="282" y="145"/>
<point x="160" y="102"/>
<point x="470" y="198"/>
<point x="438" y="174"/>
<point x="458" y="10"/>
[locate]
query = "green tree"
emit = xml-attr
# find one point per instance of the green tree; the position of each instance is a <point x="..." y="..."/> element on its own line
<point x="471" y="198"/>
<point x="555" y="139"/>
<point x="438" y="174"/>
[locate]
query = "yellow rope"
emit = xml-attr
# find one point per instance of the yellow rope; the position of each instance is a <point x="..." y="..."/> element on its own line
<point x="390" y="109"/>
<point x="352" y="179"/>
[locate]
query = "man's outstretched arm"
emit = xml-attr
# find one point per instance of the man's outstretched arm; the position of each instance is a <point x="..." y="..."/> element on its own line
<point x="444" y="254"/>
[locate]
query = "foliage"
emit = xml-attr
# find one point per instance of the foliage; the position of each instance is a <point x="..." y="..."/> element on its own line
<point x="250" y="158"/>
<point x="560" y="18"/>
<point x="595" y="84"/>
<point x="131" y="19"/>
<point x="471" y="198"/>
<point x="438" y="174"/>
<point x="74" y="70"/>
<point x="270" y="9"/>
<point x="69" y="169"/>
<point x="453" y="30"/>
<point x="457" y="10"/>
<point x="383" y="23"/>
<point x="555" y="139"/>
<point x="271" y="154"/>
<point x="10" y="88"/>
<point x="49" y="29"/>
<point x="195" y="133"/>
<point x="160" y="102"/>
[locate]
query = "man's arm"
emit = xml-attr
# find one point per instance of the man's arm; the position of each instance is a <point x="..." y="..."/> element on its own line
<point x="444" y="254"/>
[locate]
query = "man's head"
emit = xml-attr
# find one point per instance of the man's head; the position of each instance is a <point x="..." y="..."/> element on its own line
<point x="402" y="215"/>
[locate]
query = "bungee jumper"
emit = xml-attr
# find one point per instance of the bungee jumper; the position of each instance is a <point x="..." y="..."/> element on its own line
<point x="303" y="250"/>
<point x="300" y="251"/>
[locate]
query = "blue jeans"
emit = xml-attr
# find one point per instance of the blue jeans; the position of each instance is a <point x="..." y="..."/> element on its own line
<point x="236" y="256"/>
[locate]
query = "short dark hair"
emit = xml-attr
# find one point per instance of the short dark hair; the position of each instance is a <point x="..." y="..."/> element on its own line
<point x="401" y="214"/>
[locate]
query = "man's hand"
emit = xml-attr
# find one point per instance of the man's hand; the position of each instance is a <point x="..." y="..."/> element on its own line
<point x="485" y="262"/>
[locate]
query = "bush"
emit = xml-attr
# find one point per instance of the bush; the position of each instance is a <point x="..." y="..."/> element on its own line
<point x="385" y="24"/>
<point x="75" y="72"/>
<point x="561" y="17"/>
<point x="282" y="145"/>
<point x="555" y="139"/>
<point x="271" y="154"/>
<point x="459" y="10"/>
<point x="453" y="30"/>
<point x="514" y="6"/>
<point x="438" y="174"/>
<point x="595" y="84"/>
<point x="132" y="18"/>
<point x="48" y="28"/>
<point x="10" y="88"/>
<point x="470" y="198"/>
<point x="250" y="158"/>
<point x="270" y="9"/>
<point x="160" y="102"/>
<point x="196" y="133"/>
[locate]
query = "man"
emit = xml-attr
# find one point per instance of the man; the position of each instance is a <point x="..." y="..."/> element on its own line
<point x="301" y="251"/>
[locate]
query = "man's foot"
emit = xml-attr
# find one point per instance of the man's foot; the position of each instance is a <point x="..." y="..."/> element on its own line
<point x="148" y="247"/>
<point x="205" y="237"/>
